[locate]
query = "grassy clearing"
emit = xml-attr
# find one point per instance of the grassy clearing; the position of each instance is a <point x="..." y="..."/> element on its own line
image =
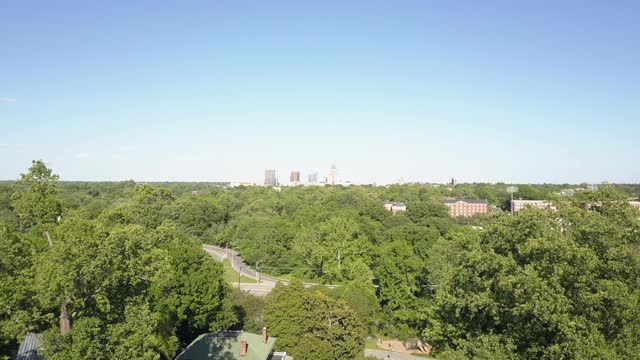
<point x="231" y="275"/>
<point x="371" y="344"/>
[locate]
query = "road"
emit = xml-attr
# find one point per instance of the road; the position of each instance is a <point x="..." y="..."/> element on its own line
<point x="390" y="355"/>
<point x="239" y="265"/>
<point x="265" y="283"/>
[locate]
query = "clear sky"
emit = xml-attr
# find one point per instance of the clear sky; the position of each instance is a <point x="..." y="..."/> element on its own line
<point x="512" y="91"/>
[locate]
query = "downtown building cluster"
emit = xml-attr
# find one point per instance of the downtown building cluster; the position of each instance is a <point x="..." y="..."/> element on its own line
<point x="295" y="178"/>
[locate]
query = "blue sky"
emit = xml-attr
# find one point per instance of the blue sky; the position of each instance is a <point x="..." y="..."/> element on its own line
<point x="512" y="91"/>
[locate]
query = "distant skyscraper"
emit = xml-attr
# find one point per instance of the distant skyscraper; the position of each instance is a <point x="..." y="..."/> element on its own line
<point x="270" y="178"/>
<point x="295" y="177"/>
<point x="333" y="175"/>
<point x="313" y="178"/>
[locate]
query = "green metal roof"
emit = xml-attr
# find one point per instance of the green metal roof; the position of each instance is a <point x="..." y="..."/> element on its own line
<point x="226" y="345"/>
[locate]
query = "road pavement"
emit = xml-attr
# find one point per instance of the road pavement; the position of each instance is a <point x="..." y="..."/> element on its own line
<point x="265" y="282"/>
<point x="238" y="264"/>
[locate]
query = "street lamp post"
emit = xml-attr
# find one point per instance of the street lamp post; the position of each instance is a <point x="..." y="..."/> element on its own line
<point x="258" y="272"/>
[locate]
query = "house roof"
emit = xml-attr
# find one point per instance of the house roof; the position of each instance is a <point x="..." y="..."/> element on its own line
<point x="30" y="348"/>
<point x="395" y="203"/>
<point x="468" y="201"/>
<point x="279" y="356"/>
<point x="226" y="345"/>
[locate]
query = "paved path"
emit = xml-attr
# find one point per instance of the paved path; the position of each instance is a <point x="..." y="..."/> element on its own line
<point x="265" y="283"/>
<point x="390" y="355"/>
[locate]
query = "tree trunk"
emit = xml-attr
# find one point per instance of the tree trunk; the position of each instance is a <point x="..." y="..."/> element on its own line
<point x="46" y="232"/>
<point x="65" y="322"/>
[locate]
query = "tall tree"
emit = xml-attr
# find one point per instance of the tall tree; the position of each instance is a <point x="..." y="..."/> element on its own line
<point x="311" y="325"/>
<point x="35" y="199"/>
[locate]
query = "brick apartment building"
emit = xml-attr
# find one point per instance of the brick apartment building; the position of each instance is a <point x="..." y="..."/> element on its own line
<point x="517" y="205"/>
<point x="466" y="207"/>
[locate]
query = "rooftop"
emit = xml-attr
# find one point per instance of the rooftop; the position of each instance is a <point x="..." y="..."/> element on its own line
<point x="468" y="201"/>
<point x="30" y="348"/>
<point x="394" y="203"/>
<point x="226" y="345"/>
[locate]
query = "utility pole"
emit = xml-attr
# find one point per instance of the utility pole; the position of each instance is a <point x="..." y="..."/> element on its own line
<point x="512" y="189"/>
<point x="511" y="203"/>
<point x="339" y="267"/>
<point x="257" y="272"/>
<point x="239" y="272"/>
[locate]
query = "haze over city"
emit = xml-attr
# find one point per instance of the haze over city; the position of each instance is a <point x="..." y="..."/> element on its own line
<point x="221" y="91"/>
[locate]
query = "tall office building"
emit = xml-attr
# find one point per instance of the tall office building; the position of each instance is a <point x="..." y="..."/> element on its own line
<point x="295" y="177"/>
<point x="312" y="178"/>
<point x="270" y="177"/>
<point x="333" y="175"/>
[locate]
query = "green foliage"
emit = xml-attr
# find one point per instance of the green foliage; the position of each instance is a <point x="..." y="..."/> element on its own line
<point x="262" y="237"/>
<point x="15" y="295"/>
<point x="542" y="284"/>
<point x="35" y="200"/>
<point x="125" y="262"/>
<point x="194" y="299"/>
<point x="361" y="297"/>
<point x="249" y="310"/>
<point x="131" y="283"/>
<point x="196" y="215"/>
<point x="311" y="325"/>
<point x="332" y="247"/>
<point x="35" y="197"/>
<point x="91" y="338"/>
<point x="137" y="338"/>
<point x="86" y="340"/>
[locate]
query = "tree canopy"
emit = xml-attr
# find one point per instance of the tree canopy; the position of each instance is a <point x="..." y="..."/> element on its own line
<point x="113" y="270"/>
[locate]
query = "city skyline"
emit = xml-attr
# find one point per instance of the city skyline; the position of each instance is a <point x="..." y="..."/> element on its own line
<point x="282" y="177"/>
<point x="483" y="92"/>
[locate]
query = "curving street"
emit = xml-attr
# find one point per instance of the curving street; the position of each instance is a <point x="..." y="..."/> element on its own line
<point x="265" y="283"/>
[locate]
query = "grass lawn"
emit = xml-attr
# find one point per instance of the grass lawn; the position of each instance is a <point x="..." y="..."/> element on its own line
<point x="231" y="276"/>
<point x="371" y="344"/>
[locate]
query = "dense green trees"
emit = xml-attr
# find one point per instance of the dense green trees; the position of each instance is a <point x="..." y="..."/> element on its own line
<point x="108" y="269"/>
<point x="126" y="283"/>
<point x="16" y="303"/>
<point x="542" y="284"/>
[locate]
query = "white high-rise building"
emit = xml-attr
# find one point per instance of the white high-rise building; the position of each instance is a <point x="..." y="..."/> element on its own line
<point x="333" y="175"/>
<point x="312" y="178"/>
<point x="270" y="177"/>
